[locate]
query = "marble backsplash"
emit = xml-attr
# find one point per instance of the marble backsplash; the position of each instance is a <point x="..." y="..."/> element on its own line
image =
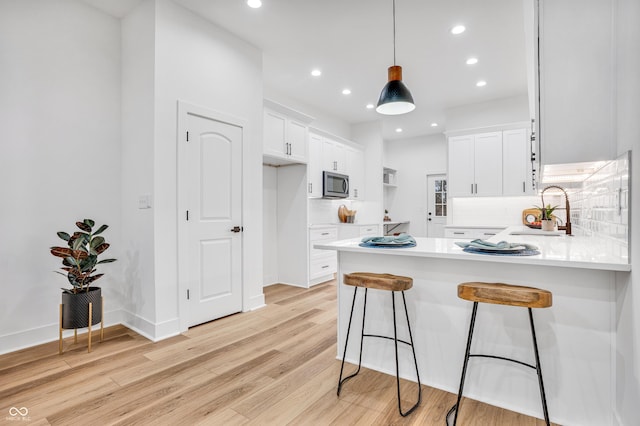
<point x="601" y="206"/>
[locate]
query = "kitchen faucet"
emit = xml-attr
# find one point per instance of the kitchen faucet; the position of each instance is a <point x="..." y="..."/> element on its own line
<point x="568" y="208"/>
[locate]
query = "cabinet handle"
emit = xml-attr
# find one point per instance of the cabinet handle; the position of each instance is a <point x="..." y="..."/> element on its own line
<point x="523" y="187"/>
<point x="325" y="233"/>
<point x="325" y="266"/>
<point x="310" y="187"/>
<point x="458" y="233"/>
<point x="489" y="233"/>
<point x="355" y="193"/>
<point x="472" y="188"/>
<point x="476" y="187"/>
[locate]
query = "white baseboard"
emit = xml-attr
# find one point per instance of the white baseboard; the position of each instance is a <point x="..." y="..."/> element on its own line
<point x="47" y="333"/>
<point x="254" y="302"/>
<point x="152" y="331"/>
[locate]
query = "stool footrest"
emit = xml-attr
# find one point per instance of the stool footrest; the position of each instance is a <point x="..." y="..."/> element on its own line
<point x="502" y="358"/>
<point x="388" y="338"/>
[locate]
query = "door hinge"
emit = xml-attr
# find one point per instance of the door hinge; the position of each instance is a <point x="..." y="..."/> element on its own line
<point x="187" y="136"/>
<point x="187" y="214"/>
<point x="188" y="294"/>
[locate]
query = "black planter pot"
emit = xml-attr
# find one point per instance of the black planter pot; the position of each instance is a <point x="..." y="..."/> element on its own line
<point x="75" y="308"/>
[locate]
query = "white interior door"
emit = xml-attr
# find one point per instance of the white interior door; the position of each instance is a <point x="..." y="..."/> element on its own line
<point x="436" y="205"/>
<point x="214" y="209"/>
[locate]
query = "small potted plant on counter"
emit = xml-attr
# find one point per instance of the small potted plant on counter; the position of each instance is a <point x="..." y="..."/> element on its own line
<point x="79" y="261"/>
<point x="547" y="219"/>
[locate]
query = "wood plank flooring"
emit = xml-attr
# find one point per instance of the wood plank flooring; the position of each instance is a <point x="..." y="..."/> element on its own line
<point x="273" y="366"/>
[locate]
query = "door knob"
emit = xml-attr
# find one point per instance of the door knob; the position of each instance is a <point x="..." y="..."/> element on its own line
<point x="237" y="229"/>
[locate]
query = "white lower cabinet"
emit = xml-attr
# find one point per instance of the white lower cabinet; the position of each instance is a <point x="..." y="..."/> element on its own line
<point x="323" y="264"/>
<point x="358" y="231"/>
<point x="471" y="233"/>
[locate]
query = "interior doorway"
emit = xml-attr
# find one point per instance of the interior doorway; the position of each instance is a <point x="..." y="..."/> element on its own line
<point x="210" y="220"/>
<point x="436" y="205"/>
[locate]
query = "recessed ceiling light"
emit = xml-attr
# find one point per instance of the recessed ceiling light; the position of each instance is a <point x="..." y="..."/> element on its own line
<point x="398" y="130"/>
<point x="316" y="73"/>
<point x="434" y="124"/>
<point x="346" y="92"/>
<point x="458" y="29"/>
<point x="481" y="83"/>
<point x="472" y="61"/>
<point x="254" y="3"/>
<point x="370" y="106"/>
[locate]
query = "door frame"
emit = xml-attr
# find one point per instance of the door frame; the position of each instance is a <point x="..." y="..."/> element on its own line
<point x="184" y="109"/>
<point x="426" y="183"/>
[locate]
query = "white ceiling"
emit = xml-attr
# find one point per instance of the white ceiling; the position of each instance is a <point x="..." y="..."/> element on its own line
<point x="351" y="42"/>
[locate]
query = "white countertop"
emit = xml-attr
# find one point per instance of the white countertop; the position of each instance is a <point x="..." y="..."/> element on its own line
<point x="559" y="250"/>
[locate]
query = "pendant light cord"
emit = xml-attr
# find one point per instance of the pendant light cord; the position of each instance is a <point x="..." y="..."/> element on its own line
<point x="394" y="32"/>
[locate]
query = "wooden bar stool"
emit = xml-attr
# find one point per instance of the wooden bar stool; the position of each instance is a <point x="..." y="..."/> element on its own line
<point x="502" y="294"/>
<point x="392" y="283"/>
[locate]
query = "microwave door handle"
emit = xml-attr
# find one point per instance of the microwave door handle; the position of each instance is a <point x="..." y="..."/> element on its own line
<point x="345" y="186"/>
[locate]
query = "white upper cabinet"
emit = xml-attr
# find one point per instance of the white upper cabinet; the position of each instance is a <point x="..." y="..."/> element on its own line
<point x="475" y="165"/>
<point x="516" y="163"/>
<point x="355" y="170"/>
<point x="285" y="139"/>
<point x="577" y="80"/>
<point x="333" y="156"/>
<point x="491" y="164"/>
<point x="327" y="154"/>
<point x="314" y="166"/>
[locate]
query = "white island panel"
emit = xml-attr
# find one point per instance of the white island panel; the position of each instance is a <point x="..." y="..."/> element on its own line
<point x="575" y="336"/>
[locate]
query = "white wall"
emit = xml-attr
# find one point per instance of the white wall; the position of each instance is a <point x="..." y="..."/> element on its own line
<point x="369" y="135"/>
<point x="138" y="94"/>
<point x="59" y="155"/>
<point x="270" y="225"/>
<point x="499" y="111"/>
<point x="413" y="158"/>
<point x="628" y="284"/>
<point x="202" y="64"/>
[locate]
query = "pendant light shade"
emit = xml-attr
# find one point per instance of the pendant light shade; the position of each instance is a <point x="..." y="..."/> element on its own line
<point x="395" y="98"/>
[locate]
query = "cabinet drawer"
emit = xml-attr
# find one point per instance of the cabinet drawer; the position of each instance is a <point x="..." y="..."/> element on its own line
<point x="323" y="266"/>
<point x="315" y="253"/>
<point x="323" y="234"/>
<point x="369" y="231"/>
<point x="458" y="233"/>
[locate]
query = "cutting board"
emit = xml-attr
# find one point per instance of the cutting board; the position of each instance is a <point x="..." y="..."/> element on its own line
<point x="527" y="216"/>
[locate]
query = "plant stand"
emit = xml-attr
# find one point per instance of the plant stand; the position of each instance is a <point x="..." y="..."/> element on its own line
<point x="75" y="330"/>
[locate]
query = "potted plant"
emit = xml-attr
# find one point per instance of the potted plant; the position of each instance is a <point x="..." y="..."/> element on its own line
<point x="79" y="261"/>
<point x="547" y="219"/>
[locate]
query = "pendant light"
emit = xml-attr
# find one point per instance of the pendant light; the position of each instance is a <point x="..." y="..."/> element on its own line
<point x="395" y="98"/>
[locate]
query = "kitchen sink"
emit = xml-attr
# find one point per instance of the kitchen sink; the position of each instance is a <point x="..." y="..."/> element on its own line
<point x="538" y="233"/>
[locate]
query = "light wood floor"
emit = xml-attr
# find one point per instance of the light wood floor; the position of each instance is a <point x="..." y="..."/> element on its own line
<point x="273" y="366"/>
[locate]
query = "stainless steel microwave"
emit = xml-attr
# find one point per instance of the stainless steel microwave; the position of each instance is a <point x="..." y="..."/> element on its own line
<point x="335" y="185"/>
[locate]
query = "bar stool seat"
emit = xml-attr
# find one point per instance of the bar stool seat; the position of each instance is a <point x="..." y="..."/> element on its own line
<point x="502" y="294"/>
<point x="385" y="282"/>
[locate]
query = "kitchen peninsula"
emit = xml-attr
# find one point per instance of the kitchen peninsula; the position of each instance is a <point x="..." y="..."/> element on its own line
<point x="576" y="336"/>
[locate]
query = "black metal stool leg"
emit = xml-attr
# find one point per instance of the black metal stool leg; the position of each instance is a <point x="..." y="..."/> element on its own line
<point x="539" y="369"/>
<point x="456" y="407"/>
<point x="415" y="360"/>
<point x="344" y="355"/>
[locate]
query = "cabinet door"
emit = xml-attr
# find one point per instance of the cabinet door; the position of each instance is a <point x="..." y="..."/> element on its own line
<point x="340" y="155"/>
<point x="314" y="166"/>
<point x="488" y="164"/>
<point x="515" y="163"/>
<point x="329" y="162"/>
<point x="461" y="162"/>
<point x="274" y="134"/>
<point x="297" y="139"/>
<point x="355" y="170"/>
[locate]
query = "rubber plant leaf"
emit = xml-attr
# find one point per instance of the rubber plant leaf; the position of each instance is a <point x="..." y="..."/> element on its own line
<point x="61" y="252"/>
<point x="101" y="229"/>
<point x="102" y="247"/>
<point x="106" y="261"/>
<point x="64" y="235"/>
<point x="89" y="222"/>
<point x="83" y="226"/>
